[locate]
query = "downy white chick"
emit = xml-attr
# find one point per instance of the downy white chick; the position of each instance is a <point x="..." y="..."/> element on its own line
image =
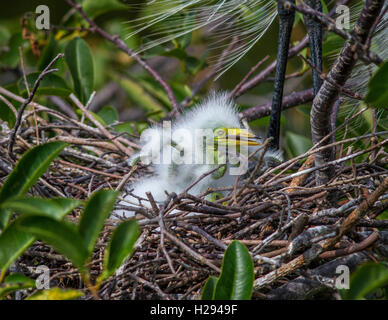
<point x="180" y="156"/>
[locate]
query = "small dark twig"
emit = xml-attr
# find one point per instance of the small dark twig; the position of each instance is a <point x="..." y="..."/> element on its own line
<point x="26" y="102"/>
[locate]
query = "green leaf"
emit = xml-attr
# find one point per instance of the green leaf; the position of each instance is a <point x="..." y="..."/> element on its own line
<point x="332" y="45"/>
<point x="109" y="114"/>
<point x="139" y="96"/>
<point x="4" y="36"/>
<point x="14" y="282"/>
<point x="237" y="276"/>
<point x="297" y="144"/>
<point x="97" y="210"/>
<point x="156" y="90"/>
<point x="51" y="84"/>
<point x="208" y="288"/>
<point x="26" y="172"/>
<point x="56" y="294"/>
<point x="55" y="208"/>
<point x="190" y="64"/>
<point x="95" y="8"/>
<point x="367" y="278"/>
<point x="120" y="246"/>
<point x="377" y="95"/>
<point x="184" y="41"/>
<point x="63" y="236"/>
<point x="11" y="57"/>
<point x="80" y="61"/>
<point x="13" y="242"/>
<point x="48" y="53"/>
<point x="19" y="278"/>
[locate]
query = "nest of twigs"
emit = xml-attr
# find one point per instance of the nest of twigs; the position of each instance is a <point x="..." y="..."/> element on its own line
<point x="296" y="232"/>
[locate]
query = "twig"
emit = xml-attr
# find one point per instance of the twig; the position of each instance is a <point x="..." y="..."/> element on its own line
<point x="26" y="102"/>
<point x="247" y="76"/>
<point x="126" y="150"/>
<point x="339" y="73"/>
<point x="290" y="101"/>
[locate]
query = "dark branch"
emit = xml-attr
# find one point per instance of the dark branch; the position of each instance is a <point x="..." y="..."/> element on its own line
<point x="339" y="73"/>
<point x="290" y="101"/>
<point x="26" y="102"/>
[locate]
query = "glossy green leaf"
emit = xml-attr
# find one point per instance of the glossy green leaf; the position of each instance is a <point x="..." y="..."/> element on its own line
<point x="55" y="208"/>
<point x="19" y="278"/>
<point x="13" y="242"/>
<point x="26" y="172"/>
<point x="14" y="282"/>
<point x="51" y="84"/>
<point x="97" y="210"/>
<point x="80" y="61"/>
<point x="208" y="288"/>
<point x="63" y="236"/>
<point x="377" y="95"/>
<point x="95" y="8"/>
<point x="237" y="275"/>
<point x="120" y="246"/>
<point x="56" y="294"/>
<point x="367" y="278"/>
<point x="109" y="114"/>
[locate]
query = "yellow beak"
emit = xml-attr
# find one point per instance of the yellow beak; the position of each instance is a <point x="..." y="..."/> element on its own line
<point x="238" y="137"/>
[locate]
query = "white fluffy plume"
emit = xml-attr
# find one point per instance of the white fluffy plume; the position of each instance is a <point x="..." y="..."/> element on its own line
<point x="216" y="111"/>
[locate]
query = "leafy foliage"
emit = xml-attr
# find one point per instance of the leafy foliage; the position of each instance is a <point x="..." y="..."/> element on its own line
<point x="236" y="279"/>
<point x="80" y="62"/>
<point x="366" y="280"/>
<point x="378" y="88"/>
<point x="42" y="219"/>
<point x="27" y="171"/>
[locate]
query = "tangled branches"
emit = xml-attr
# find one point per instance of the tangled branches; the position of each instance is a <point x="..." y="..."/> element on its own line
<point x="292" y="228"/>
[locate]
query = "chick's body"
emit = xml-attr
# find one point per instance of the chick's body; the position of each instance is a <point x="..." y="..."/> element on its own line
<point x="174" y="158"/>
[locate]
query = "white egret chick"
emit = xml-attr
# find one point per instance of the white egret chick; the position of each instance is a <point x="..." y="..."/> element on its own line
<point x="208" y="137"/>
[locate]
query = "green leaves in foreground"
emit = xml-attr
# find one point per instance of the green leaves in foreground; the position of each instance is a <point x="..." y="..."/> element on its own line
<point x="77" y="242"/>
<point x="13" y="282"/>
<point x="13" y="241"/>
<point x="80" y="61"/>
<point x="42" y="219"/>
<point x="26" y="172"/>
<point x="74" y="242"/>
<point x="365" y="280"/>
<point x="120" y="246"/>
<point x="237" y="276"/>
<point x="63" y="236"/>
<point x="97" y="210"/>
<point x="377" y="95"/>
<point x="56" y="294"/>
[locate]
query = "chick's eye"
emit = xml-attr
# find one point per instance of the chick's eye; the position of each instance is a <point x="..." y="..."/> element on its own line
<point x="220" y="132"/>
